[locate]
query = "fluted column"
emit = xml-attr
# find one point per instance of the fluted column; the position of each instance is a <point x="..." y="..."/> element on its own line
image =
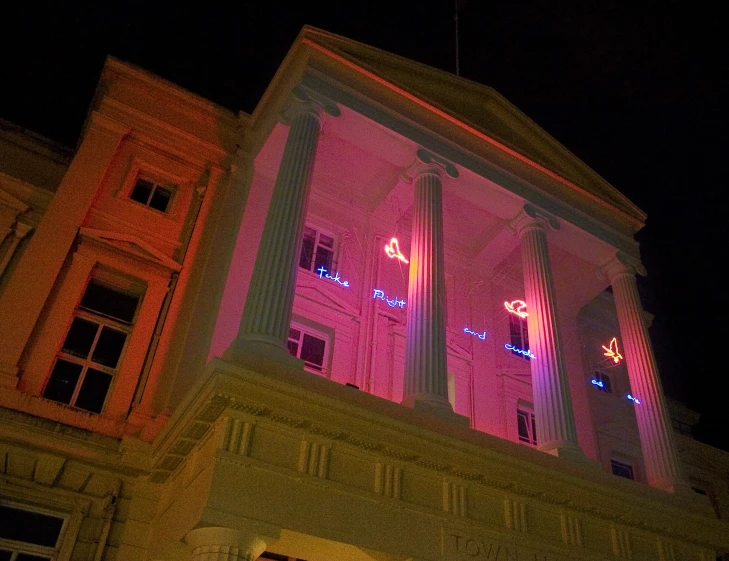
<point x="654" y="425"/>
<point x="556" y="431"/>
<point x="264" y="326"/>
<point x="224" y="544"/>
<point x="426" y="374"/>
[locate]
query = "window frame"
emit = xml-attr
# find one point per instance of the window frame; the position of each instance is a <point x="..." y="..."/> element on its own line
<point x="318" y="233"/>
<point x="103" y="278"/>
<point x="142" y="169"/>
<point x="515" y="321"/>
<point x="622" y="464"/>
<point x="156" y="184"/>
<point x="16" y="547"/>
<point x="307" y="327"/>
<point x="531" y="424"/>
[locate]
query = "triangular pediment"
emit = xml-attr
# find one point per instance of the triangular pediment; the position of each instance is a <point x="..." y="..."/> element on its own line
<point x="481" y="108"/>
<point x="130" y="244"/>
<point x="317" y="290"/>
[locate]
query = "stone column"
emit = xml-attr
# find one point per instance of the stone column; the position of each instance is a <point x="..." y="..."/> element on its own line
<point x="224" y="544"/>
<point x="654" y="425"/>
<point x="556" y="431"/>
<point x="426" y="374"/>
<point x="264" y="326"/>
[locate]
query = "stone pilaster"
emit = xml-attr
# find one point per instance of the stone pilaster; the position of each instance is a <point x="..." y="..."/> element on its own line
<point x="224" y="544"/>
<point x="654" y="425"/>
<point x="267" y="314"/>
<point x="556" y="431"/>
<point x="426" y="375"/>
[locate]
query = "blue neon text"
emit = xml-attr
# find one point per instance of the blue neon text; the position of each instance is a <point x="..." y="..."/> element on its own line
<point x="634" y="399"/>
<point x="392" y="303"/>
<point x="598" y="383"/>
<point x="335" y="278"/>
<point x="526" y="353"/>
<point x="481" y="336"/>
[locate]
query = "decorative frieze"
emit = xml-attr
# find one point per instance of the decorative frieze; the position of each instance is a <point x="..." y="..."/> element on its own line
<point x="515" y="514"/>
<point x="571" y="529"/>
<point x="454" y="498"/>
<point x="237" y="436"/>
<point x="621" y="543"/>
<point x="388" y="480"/>
<point x="313" y="459"/>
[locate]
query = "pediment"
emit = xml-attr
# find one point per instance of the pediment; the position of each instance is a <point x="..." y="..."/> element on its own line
<point x="317" y="290"/>
<point x="479" y="107"/>
<point x="131" y="244"/>
<point x="7" y="200"/>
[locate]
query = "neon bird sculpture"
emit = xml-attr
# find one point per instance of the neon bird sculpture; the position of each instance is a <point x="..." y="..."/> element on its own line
<point x="517" y="307"/>
<point x="393" y="250"/>
<point x="613" y="352"/>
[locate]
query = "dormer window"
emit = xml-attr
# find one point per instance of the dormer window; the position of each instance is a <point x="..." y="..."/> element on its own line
<point x="152" y="194"/>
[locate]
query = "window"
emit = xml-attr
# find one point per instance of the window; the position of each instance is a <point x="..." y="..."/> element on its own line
<point x="28" y="535"/>
<point x="605" y="379"/>
<point x="682" y="428"/>
<point x="519" y="335"/>
<point x="151" y="194"/>
<point x="90" y="355"/>
<point x="622" y="469"/>
<point x="317" y="250"/>
<point x="308" y="347"/>
<point x="527" y="426"/>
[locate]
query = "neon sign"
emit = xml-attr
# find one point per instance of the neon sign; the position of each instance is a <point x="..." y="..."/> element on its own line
<point x="517" y="307"/>
<point x="335" y="278"/>
<point x="393" y="250"/>
<point x="392" y="303"/>
<point x="598" y="383"/>
<point x="527" y="353"/>
<point x="481" y="336"/>
<point x="633" y="399"/>
<point x="613" y="352"/>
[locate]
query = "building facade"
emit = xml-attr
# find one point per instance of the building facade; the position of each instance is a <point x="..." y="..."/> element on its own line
<point x="385" y="316"/>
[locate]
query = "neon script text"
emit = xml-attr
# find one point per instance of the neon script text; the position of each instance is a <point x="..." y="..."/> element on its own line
<point x="392" y="303"/>
<point x="517" y="307"/>
<point x="598" y="383"/>
<point x="633" y="399"/>
<point x="481" y="336"/>
<point x="323" y="272"/>
<point x="527" y="353"/>
<point x="613" y="352"/>
<point x="393" y="250"/>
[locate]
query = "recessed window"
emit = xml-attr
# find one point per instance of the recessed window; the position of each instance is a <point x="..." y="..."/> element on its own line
<point x="308" y="347"/>
<point x="152" y="194"/>
<point x="317" y="250"/>
<point x="605" y="379"/>
<point x="91" y="352"/>
<point x="519" y="335"/>
<point x="622" y="469"/>
<point x="28" y="535"/>
<point x="527" y="426"/>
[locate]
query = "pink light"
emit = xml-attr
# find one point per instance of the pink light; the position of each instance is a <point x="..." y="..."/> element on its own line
<point x="613" y="352"/>
<point x="517" y="307"/>
<point x="393" y="250"/>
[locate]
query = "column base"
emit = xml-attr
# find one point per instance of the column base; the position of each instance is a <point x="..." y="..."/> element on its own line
<point x="436" y="409"/>
<point x="569" y="451"/>
<point x="258" y="353"/>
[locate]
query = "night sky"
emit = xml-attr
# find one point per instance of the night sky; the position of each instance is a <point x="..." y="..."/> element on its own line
<point x="632" y="88"/>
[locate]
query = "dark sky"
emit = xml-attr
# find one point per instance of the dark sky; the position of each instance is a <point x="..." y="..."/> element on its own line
<point x="632" y="88"/>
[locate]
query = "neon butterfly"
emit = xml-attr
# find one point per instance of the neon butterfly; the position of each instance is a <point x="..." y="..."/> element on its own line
<point x="613" y="352"/>
<point x="393" y="250"/>
<point x="517" y="307"/>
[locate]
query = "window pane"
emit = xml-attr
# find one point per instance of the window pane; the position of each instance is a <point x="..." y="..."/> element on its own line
<point x="521" y="419"/>
<point x="109" y="347"/>
<point x="524" y="334"/>
<point x="294" y="333"/>
<point x="515" y="331"/>
<point x="622" y="470"/>
<point x="326" y="241"/>
<point x="63" y="381"/>
<point x="312" y="351"/>
<point x="80" y="337"/>
<point x="29" y="527"/>
<point x="324" y="258"/>
<point x="307" y="249"/>
<point x="160" y="199"/>
<point x="5" y="555"/>
<point x="93" y="391"/>
<point x="110" y="302"/>
<point x="142" y="190"/>
<point x="293" y="347"/>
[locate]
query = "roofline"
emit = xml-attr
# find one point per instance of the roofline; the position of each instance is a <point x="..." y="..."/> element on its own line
<point x="470" y="129"/>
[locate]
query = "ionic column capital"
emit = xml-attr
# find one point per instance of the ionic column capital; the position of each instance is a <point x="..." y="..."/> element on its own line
<point x="622" y="264"/>
<point x="306" y="101"/>
<point x="532" y="217"/>
<point x="427" y="163"/>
